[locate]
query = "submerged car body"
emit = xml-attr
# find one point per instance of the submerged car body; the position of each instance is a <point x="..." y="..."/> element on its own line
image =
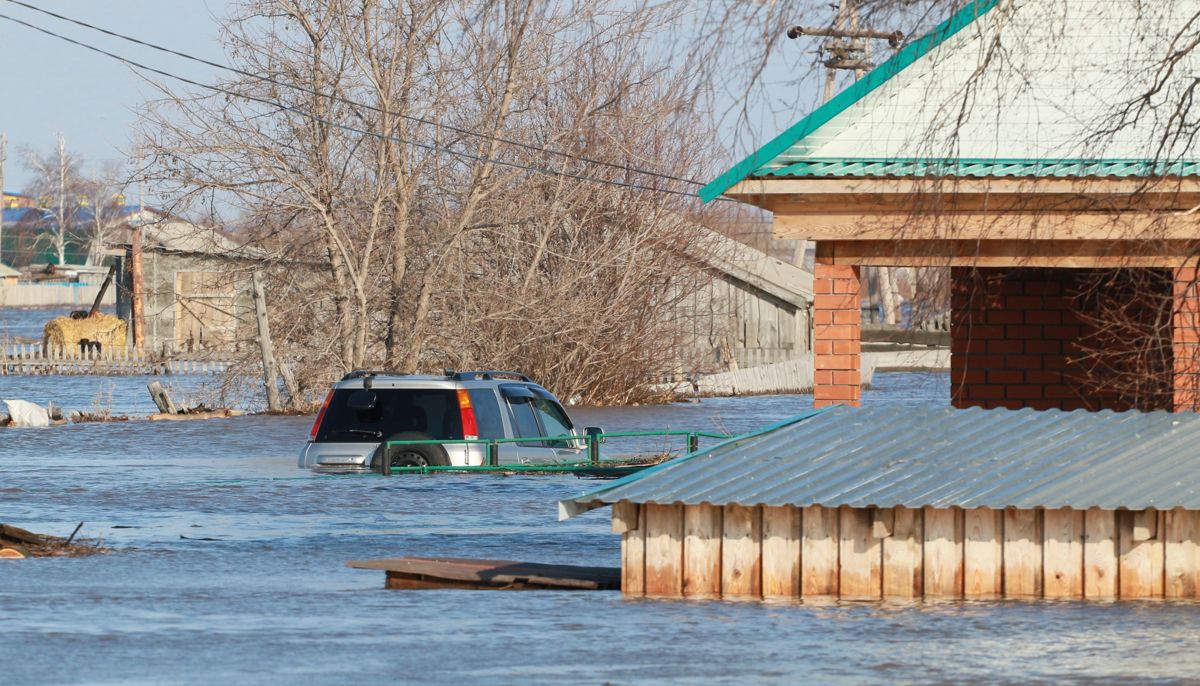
<point x="366" y="409"/>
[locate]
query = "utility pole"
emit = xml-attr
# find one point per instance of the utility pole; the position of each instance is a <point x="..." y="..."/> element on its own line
<point x="3" y="159"/>
<point x="847" y="47"/>
<point x="270" y="368"/>
<point x="62" y="200"/>
<point x="135" y="275"/>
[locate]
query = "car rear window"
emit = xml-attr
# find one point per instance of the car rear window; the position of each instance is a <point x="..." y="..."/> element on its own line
<point x="434" y="412"/>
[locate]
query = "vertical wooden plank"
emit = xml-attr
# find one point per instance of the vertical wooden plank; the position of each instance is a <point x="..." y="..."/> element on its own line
<point x="1023" y="553"/>
<point x="819" y="552"/>
<point x="702" y="551"/>
<point x="1099" y="554"/>
<point x="781" y="552"/>
<point x="664" y="550"/>
<point x="860" y="558"/>
<point x="741" y="552"/>
<point x="983" y="553"/>
<point x="633" y="555"/>
<point x="1141" y="556"/>
<point x="1062" y="553"/>
<point x="943" y="567"/>
<point x="1179" y="554"/>
<point x="902" y="577"/>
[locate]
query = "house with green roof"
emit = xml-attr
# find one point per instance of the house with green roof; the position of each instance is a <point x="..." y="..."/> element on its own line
<point x="1045" y="156"/>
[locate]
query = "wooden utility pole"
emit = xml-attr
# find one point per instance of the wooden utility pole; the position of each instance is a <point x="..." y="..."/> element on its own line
<point x="62" y="200"/>
<point x="136" y="312"/>
<point x="270" y="369"/>
<point x="3" y="159"/>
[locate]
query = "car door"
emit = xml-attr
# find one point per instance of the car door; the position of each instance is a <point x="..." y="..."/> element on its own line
<point x="533" y="415"/>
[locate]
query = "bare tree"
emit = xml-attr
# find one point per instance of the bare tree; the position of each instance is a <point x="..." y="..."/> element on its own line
<point x="58" y="184"/>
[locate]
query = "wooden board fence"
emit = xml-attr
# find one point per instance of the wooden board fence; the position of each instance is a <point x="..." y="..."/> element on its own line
<point x="33" y="358"/>
<point x="871" y="553"/>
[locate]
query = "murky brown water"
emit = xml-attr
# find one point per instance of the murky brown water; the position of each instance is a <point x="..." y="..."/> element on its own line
<point x="270" y="601"/>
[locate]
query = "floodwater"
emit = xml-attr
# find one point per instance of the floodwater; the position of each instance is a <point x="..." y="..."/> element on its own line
<point x="230" y="569"/>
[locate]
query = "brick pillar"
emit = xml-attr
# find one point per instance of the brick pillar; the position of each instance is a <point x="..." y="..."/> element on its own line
<point x="1186" y="340"/>
<point x="837" y="340"/>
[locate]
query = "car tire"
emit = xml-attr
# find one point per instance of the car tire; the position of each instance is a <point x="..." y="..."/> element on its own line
<point x="432" y="455"/>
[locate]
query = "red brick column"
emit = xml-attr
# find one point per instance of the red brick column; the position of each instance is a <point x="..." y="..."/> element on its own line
<point x="837" y="340"/>
<point x="1186" y="340"/>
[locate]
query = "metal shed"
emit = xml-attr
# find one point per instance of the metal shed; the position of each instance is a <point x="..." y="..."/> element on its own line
<point x="893" y="502"/>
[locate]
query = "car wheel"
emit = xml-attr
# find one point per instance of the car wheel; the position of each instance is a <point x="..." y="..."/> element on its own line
<point x="432" y="455"/>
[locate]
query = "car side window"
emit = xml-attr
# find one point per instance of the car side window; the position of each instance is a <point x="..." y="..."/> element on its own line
<point x="487" y="413"/>
<point x="553" y="420"/>
<point x="525" y="424"/>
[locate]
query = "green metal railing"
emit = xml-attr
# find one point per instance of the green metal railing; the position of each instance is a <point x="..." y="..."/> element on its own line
<point x="593" y="463"/>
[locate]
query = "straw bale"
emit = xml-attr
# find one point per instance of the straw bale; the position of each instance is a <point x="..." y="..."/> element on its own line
<point x="106" y="329"/>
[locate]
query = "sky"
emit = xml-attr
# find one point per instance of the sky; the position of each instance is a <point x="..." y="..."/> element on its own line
<point x="50" y="86"/>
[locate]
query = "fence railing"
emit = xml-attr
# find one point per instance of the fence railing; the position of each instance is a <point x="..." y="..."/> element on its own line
<point x="35" y="358"/>
<point x="590" y="441"/>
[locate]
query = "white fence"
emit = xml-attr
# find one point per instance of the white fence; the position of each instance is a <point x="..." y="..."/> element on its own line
<point x="47" y="294"/>
<point x="33" y="358"/>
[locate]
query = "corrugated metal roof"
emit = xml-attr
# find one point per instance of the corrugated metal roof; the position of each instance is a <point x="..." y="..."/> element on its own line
<point x="853" y="167"/>
<point x="937" y="457"/>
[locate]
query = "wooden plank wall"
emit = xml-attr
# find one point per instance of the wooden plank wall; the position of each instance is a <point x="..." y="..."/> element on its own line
<point x="707" y="551"/>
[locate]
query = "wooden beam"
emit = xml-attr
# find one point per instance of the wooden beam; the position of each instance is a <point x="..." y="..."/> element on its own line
<point x="1022" y="553"/>
<point x="983" y="553"/>
<point x="819" y="552"/>
<point x="1008" y="253"/>
<point x="943" y="564"/>
<point x="902" y="577"/>
<point x="781" y="552"/>
<point x="664" y="550"/>
<point x="1062" y="553"/>
<point x="860" y="565"/>
<point x="1180" y="553"/>
<point x="1100" y="554"/>
<point x="992" y="225"/>
<point x="702" y="551"/>
<point x="633" y="556"/>
<point x="1140" y="554"/>
<point x="741" y="552"/>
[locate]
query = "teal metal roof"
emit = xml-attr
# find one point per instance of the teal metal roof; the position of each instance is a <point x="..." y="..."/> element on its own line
<point x="814" y="168"/>
<point x="888" y="456"/>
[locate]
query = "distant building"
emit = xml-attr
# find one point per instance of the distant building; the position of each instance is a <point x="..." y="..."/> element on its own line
<point x="16" y="200"/>
<point x="8" y="275"/>
<point x="196" y="283"/>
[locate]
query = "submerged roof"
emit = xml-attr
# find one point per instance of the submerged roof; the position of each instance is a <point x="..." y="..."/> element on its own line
<point x="1005" y="88"/>
<point x="889" y="456"/>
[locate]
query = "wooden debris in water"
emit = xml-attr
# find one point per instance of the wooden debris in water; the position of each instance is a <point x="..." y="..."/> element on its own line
<point x="17" y="543"/>
<point x="449" y="572"/>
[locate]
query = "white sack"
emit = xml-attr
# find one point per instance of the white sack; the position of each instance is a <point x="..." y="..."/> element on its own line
<point x="25" y="413"/>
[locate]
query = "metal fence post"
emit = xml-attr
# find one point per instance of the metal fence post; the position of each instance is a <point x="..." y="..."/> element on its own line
<point x="493" y="453"/>
<point x="385" y="460"/>
<point x="693" y="442"/>
<point x="594" y="448"/>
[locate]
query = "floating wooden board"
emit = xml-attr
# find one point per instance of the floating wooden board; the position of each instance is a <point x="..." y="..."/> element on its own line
<point x="450" y="572"/>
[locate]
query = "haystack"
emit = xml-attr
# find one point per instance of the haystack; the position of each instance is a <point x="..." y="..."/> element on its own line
<point x="66" y="333"/>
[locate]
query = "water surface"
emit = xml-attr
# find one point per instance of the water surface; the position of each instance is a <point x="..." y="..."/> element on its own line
<point x="269" y="599"/>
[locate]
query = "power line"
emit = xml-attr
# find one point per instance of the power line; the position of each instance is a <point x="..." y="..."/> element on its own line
<point x="310" y="91"/>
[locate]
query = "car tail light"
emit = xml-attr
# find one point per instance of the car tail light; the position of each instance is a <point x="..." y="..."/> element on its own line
<point x="470" y="427"/>
<point x="312" y="436"/>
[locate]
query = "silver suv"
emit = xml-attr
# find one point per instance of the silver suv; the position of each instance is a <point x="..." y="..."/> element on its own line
<point x="365" y="409"/>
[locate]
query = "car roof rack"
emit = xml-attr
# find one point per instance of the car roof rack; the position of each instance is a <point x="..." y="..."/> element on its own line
<point x="360" y="373"/>
<point x="486" y="375"/>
